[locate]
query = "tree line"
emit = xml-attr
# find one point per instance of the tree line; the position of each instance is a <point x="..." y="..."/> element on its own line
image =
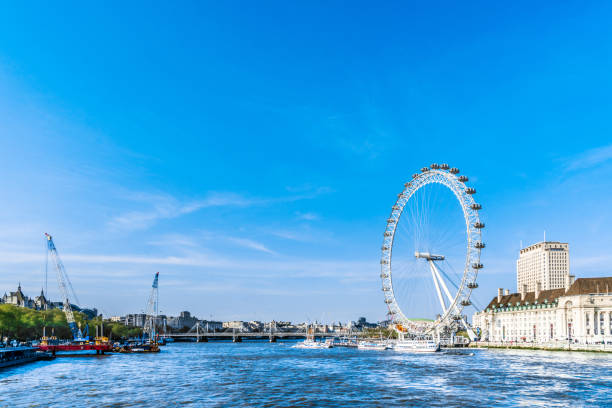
<point x="25" y="324"/>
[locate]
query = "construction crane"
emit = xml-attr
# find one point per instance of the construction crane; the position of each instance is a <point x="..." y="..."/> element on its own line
<point x="64" y="285"/>
<point x="152" y="312"/>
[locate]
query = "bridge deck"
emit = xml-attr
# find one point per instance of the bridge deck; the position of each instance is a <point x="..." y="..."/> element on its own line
<point x="255" y="334"/>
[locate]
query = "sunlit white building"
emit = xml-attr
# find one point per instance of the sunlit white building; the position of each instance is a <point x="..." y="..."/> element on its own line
<point x="544" y="262"/>
<point x="581" y="312"/>
<point x="578" y="311"/>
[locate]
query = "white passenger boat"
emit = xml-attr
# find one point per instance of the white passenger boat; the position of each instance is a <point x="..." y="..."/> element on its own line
<point x="372" y="345"/>
<point x="311" y="343"/>
<point x="417" y="346"/>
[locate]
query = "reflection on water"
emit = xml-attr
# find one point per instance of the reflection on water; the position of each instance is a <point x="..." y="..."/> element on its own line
<point x="259" y="373"/>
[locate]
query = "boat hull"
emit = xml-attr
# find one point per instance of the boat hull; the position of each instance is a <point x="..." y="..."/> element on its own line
<point x="416" y="347"/>
<point x="372" y="346"/>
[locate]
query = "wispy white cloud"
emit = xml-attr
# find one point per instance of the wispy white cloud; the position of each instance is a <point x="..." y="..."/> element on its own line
<point x="191" y="260"/>
<point x="287" y="267"/>
<point x="174" y="241"/>
<point x="290" y="235"/>
<point x="590" y="158"/>
<point x="167" y="207"/>
<point x="308" y="216"/>
<point x="164" y="206"/>
<point x="248" y="243"/>
<point x="303" y="234"/>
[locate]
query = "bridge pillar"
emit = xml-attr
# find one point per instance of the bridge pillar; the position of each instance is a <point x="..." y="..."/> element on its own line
<point x="237" y="339"/>
<point x="272" y="339"/>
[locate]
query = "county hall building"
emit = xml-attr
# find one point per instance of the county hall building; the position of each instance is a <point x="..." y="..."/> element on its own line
<point x="549" y="305"/>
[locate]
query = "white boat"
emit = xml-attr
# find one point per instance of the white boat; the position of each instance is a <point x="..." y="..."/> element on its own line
<point x="417" y="346"/>
<point x="372" y="345"/>
<point x="311" y="343"/>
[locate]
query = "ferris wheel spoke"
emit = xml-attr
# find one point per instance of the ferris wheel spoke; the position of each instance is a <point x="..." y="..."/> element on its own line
<point x="448" y="278"/>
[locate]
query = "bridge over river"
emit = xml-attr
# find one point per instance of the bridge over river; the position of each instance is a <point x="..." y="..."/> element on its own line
<point x="237" y="336"/>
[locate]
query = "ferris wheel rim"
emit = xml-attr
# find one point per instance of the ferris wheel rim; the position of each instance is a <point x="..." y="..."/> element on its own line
<point x="447" y="177"/>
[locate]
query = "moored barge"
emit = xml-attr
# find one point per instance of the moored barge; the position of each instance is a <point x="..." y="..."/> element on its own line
<point x="12" y="356"/>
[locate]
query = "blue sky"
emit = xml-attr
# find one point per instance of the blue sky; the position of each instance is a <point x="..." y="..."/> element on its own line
<point x="251" y="152"/>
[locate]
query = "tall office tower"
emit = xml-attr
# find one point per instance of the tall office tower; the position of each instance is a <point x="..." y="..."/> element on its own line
<point x="544" y="262"/>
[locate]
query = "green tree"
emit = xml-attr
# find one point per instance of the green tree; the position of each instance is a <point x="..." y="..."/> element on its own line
<point x="27" y="324"/>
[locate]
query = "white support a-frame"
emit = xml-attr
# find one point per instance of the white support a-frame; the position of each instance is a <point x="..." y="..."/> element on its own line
<point x="434" y="272"/>
<point x="437" y="277"/>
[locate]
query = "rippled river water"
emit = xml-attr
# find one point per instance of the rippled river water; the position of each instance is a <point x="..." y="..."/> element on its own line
<point x="264" y="374"/>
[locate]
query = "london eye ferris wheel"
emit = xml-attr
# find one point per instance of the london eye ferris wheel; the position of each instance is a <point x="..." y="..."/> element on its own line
<point x="431" y="252"/>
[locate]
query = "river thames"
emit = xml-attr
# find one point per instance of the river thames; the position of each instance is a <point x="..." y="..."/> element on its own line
<point x="264" y="374"/>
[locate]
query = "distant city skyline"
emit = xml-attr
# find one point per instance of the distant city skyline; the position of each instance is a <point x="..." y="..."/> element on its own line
<point x="252" y="158"/>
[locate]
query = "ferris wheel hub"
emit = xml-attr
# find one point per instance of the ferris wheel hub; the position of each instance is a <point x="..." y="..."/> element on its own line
<point x="428" y="256"/>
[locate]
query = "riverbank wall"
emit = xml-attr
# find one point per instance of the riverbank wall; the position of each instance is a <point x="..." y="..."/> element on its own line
<point x="556" y="346"/>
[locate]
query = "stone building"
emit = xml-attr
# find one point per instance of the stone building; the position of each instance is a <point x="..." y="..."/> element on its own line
<point x="581" y="312"/>
<point x="544" y="262"/>
<point x="139" y="319"/>
<point x="237" y="325"/>
<point x="184" y="319"/>
<point x="211" y="325"/>
<point x="41" y="302"/>
<point x="549" y="305"/>
<point x="18" y="298"/>
<point x="135" y="319"/>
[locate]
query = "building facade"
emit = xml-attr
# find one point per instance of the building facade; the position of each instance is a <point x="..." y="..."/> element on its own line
<point x="18" y="298"/>
<point x="544" y="262"/>
<point x="135" y="319"/>
<point x="139" y="320"/>
<point x="184" y="319"/>
<point x="581" y="312"/>
<point x="212" y="325"/>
